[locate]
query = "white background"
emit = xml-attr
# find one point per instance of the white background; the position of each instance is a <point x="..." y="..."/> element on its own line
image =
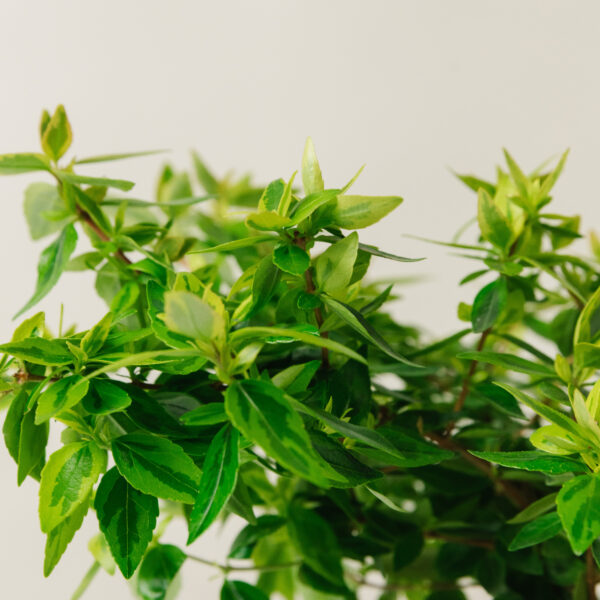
<point x="410" y="88"/>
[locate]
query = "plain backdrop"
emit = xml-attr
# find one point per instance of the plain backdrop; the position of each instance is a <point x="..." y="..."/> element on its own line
<point x="411" y="88"/>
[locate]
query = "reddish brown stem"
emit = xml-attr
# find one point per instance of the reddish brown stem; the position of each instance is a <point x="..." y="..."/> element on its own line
<point x="92" y="225"/>
<point x="590" y="575"/>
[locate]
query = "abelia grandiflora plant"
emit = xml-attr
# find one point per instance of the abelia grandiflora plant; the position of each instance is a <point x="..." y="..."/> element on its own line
<point x="244" y="366"/>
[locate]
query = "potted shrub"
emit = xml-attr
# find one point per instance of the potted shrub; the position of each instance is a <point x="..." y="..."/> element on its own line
<point x="245" y="365"/>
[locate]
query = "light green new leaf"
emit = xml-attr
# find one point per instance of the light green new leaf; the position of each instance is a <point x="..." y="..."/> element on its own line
<point x="53" y="261"/>
<point x="157" y="466"/>
<point x="60" y="537"/>
<point x="190" y="315"/>
<point x="158" y="570"/>
<point x="67" y="481"/>
<point x="535" y="532"/>
<point x="262" y="414"/>
<point x="356" y="212"/>
<point x="44" y="210"/>
<point x="291" y="259"/>
<point x="578" y="506"/>
<point x="268" y="221"/>
<point x="494" y="227"/>
<point x="549" y="413"/>
<point x="307" y="206"/>
<point x="15" y="164"/>
<point x="259" y="333"/>
<point x="119" y="184"/>
<point x="57" y="135"/>
<point x="94" y="339"/>
<point x="312" y="180"/>
<point x="60" y="395"/>
<point x="127" y="519"/>
<point x="587" y="327"/>
<point x="219" y="474"/>
<point x="333" y="268"/>
<point x="111" y="157"/>
<point x="237" y="244"/>
<point x="488" y="305"/>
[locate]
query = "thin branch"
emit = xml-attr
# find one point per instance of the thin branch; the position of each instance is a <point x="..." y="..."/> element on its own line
<point x="591" y="576"/>
<point x="226" y="568"/>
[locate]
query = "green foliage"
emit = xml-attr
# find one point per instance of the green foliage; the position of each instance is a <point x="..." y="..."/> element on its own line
<point x="247" y="366"/>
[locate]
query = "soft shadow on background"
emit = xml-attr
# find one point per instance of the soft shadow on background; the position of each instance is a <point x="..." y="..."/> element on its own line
<point x="412" y="89"/>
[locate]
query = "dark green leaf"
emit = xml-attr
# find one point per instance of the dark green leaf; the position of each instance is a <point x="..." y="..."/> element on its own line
<point x="537" y="531"/>
<point x="533" y="461"/>
<point x="247" y="538"/>
<point x="105" y="397"/>
<point x="219" y="474"/>
<point x="127" y="519"/>
<point x="158" y="570"/>
<point x="510" y="362"/>
<point x="240" y="590"/>
<point x="488" y="305"/>
<point x="291" y="259"/>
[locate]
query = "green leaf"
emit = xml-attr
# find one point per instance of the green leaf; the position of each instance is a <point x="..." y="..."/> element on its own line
<point x="262" y="414"/>
<point x="312" y="180"/>
<point x="271" y="196"/>
<point x="409" y="545"/>
<point x="353" y="318"/>
<point x="356" y="212"/>
<point x="156" y="466"/>
<point x="510" y="362"/>
<point x="11" y="428"/>
<point x="353" y="472"/>
<point x="57" y="136"/>
<point x="291" y="259"/>
<point x="248" y="537"/>
<point x="60" y="395"/>
<point x="32" y="447"/>
<point x="53" y="261"/>
<point x="44" y="210"/>
<point x="189" y="315"/>
<point x="488" y="305"/>
<point x="104" y="398"/>
<point x="158" y="570"/>
<point x="535" y="509"/>
<point x="119" y="184"/>
<point x="94" y="339"/>
<point x="537" y="531"/>
<point x="531" y="460"/>
<point x="587" y="326"/>
<point x="307" y="206"/>
<point x="268" y="221"/>
<point x="552" y="415"/>
<point x="39" y="351"/>
<point x="127" y="519"/>
<point x="253" y="240"/>
<point x="60" y="537"/>
<point x="493" y="225"/>
<point x="67" y="481"/>
<point x="207" y="414"/>
<point x="15" y="164"/>
<point x="579" y="510"/>
<point x="333" y="268"/>
<point x="265" y="282"/>
<point x="219" y="474"/>
<point x="240" y="590"/>
<point x="207" y="180"/>
<point x="247" y="333"/>
<point x="369" y="249"/>
<point x="112" y="157"/>
<point x="316" y="542"/>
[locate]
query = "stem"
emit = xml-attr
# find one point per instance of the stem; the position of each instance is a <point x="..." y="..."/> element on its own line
<point x="590" y="574"/>
<point x="310" y="288"/>
<point x="85" y="582"/>
<point x="90" y="222"/>
<point x="434" y="535"/>
<point x="228" y="568"/>
<point x="464" y="392"/>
